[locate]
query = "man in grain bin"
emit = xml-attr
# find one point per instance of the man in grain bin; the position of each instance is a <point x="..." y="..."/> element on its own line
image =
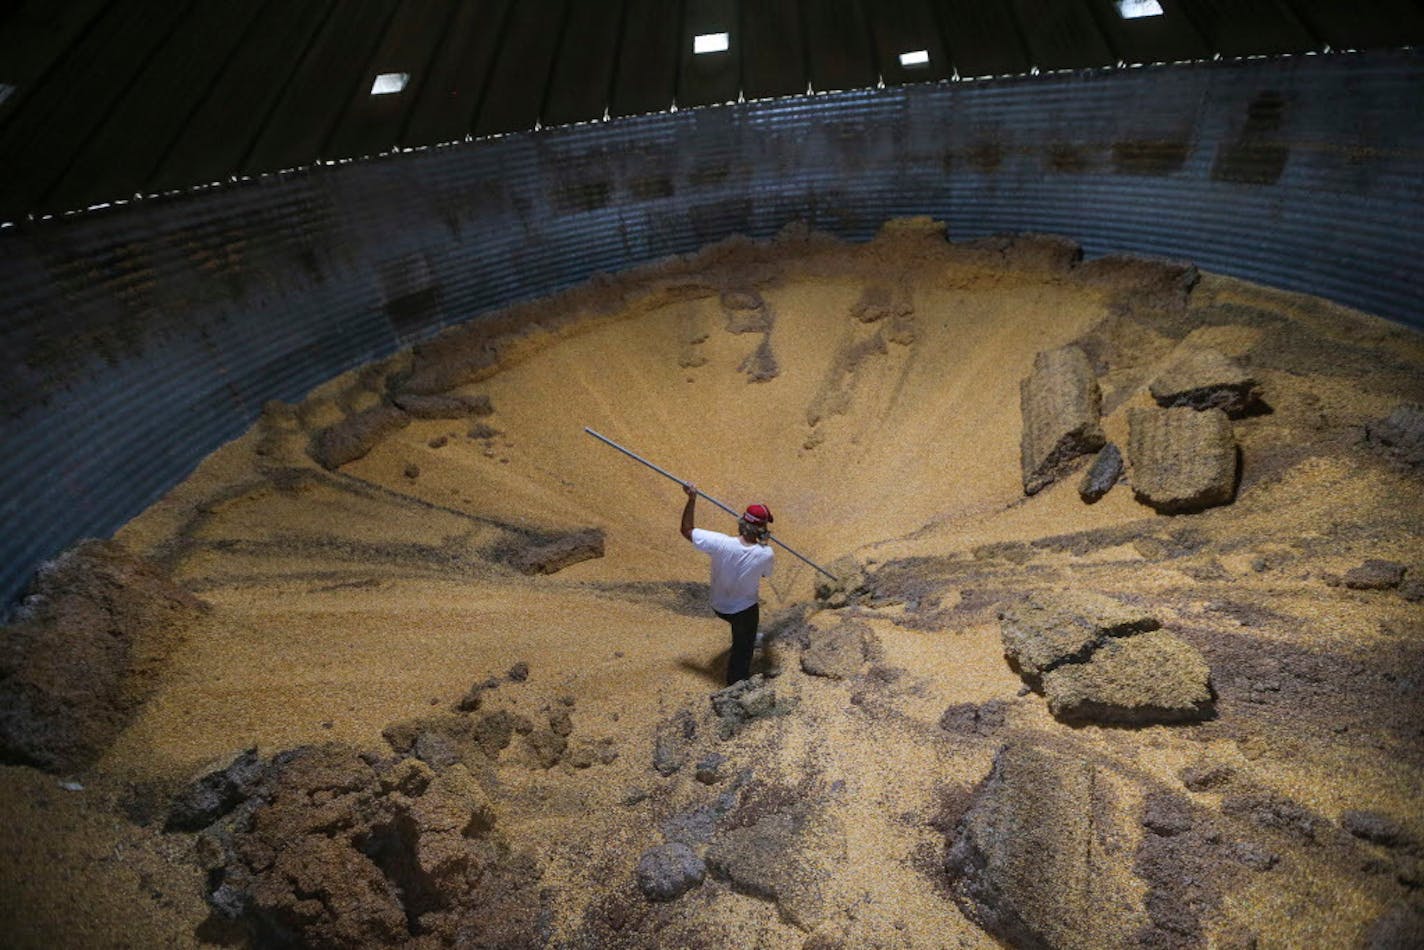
<point x="738" y="565"/>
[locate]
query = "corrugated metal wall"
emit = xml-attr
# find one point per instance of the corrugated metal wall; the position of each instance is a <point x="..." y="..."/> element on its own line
<point x="143" y="338"/>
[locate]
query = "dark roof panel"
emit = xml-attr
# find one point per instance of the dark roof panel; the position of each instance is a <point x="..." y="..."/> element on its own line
<point x="646" y="75"/>
<point x="372" y="124"/>
<point x="324" y="82"/>
<point x="1364" y="24"/>
<point x="1061" y="34"/>
<point x="1244" y="27"/>
<point x="838" y="48"/>
<point x="1167" y="38"/>
<point x="446" y="103"/>
<point x="34" y="35"/>
<point x="515" y="97"/>
<point x="583" y="69"/>
<point x="773" y="54"/>
<point x="52" y="124"/>
<point x="983" y="38"/>
<point x="708" y="78"/>
<point x="216" y="138"/>
<point x="161" y="100"/>
<point x="907" y="26"/>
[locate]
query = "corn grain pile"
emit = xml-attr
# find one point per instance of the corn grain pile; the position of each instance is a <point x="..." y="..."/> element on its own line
<point x="870" y="396"/>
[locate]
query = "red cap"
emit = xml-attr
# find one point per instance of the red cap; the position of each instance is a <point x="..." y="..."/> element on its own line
<point x="758" y="515"/>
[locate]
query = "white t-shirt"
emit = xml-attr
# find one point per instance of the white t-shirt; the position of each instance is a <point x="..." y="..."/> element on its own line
<point x="737" y="569"/>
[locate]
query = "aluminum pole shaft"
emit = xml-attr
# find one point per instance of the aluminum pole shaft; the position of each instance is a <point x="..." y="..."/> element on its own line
<point x="666" y="474"/>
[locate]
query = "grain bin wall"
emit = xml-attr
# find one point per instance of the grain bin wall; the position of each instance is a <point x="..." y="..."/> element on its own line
<point x="143" y="337"/>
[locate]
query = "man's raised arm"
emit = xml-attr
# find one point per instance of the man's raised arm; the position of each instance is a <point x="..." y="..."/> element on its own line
<point x="687" y="512"/>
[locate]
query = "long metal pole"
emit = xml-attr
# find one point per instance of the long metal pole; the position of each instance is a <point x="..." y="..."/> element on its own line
<point x="666" y="474"/>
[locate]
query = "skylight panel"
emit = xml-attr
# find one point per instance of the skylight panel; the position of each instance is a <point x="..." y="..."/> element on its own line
<point x="710" y="43"/>
<point x="387" y="84"/>
<point x="1134" y="9"/>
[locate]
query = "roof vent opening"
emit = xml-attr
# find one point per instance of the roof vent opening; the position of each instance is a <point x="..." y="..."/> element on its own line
<point x="710" y="43"/>
<point x="915" y="58"/>
<point x="1134" y="9"/>
<point x="387" y="84"/>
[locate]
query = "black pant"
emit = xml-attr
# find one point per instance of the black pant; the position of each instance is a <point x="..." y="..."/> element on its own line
<point x="744" y="631"/>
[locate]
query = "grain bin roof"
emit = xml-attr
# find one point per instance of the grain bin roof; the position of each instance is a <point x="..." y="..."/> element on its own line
<point x="102" y="100"/>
